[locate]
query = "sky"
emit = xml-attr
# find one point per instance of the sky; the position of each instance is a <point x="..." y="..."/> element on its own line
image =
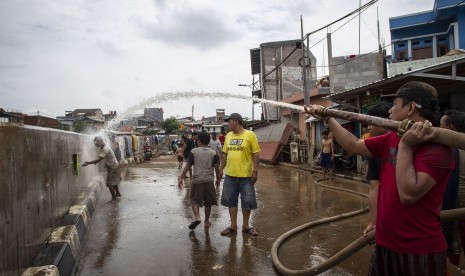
<point x="60" y="55"/>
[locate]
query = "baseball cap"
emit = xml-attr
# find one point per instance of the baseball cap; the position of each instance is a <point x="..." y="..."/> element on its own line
<point x="421" y="93"/>
<point x="235" y="116"/>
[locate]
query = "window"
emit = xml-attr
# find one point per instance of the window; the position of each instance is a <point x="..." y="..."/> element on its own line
<point x="442" y="49"/>
<point x="402" y="55"/>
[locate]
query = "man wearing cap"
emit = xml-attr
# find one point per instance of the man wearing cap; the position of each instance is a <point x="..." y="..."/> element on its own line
<point x="413" y="178"/>
<point x="240" y="158"/>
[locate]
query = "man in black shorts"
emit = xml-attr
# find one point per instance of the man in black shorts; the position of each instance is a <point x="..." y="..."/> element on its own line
<point x="205" y="161"/>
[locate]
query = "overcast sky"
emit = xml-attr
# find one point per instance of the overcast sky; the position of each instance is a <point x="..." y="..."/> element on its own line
<point x="58" y="55"/>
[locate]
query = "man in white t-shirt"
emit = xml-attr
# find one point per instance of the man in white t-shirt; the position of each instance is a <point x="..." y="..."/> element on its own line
<point x="111" y="164"/>
<point x="215" y="144"/>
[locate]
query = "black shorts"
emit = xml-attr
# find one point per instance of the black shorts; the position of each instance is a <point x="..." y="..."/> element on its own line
<point x="387" y="262"/>
<point x="203" y="194"/>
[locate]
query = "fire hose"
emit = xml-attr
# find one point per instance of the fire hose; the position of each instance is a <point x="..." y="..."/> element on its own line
<point x="348" y="251"/>
<point x="444" y="136"/>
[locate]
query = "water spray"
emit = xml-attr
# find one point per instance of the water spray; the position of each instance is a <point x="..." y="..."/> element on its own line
<point x="173" y="96"/>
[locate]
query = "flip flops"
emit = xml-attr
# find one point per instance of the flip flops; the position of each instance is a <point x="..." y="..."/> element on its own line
<point x="250" y="231"/>
<point x="228" y="231"/>
<point x="194" y="224"/>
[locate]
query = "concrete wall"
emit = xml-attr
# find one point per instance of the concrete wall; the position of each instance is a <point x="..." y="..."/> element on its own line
<point x="287" y="80"/>
<point x="356" y="72"/>
<point x="38" y="185"/>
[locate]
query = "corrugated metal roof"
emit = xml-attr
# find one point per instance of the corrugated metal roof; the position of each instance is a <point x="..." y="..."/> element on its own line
<point x="272" y="140"/>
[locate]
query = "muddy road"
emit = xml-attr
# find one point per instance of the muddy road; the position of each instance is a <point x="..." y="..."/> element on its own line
<point x="146" y="231"/>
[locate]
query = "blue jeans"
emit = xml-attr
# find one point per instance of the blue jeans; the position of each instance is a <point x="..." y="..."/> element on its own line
<point x="233" y="186"/>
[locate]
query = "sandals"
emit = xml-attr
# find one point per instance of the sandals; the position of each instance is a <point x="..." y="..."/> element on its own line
<point x="251" y="231"/>
<point x="194" y="224"/>
<point x="228" y="231"/>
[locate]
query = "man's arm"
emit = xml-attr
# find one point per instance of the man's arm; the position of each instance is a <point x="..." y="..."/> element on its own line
<point x="100" y="158"/>
<point x="346" y="139"/>
<point x="183" y="174"/>
<point x="332" y="149"/>
<point x="413" y="185"/>
<point x="218" y="174"/>
<point x="256" y="160"/>
<point x="373" y="204"/>
<point x="224" y="158"/>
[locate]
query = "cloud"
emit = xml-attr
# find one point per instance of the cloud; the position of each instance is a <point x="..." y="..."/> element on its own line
<point x="68" y="54"/>
<point x="201" y="28"/>
<point x="109" y="48"/>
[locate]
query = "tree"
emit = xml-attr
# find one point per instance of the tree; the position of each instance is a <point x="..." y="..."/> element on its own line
<point x="149" y="132"/>
<point x="80" y="126"/>
<point x="170" y="125"/>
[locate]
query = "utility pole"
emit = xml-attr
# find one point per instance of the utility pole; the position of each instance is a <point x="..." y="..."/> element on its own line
<point x="377" y="22"/>
<point x="306" y="92"/>
<point x="276" y="73"/>
<point x="330" y="61"/>
<point x="359" y="21"/>
<point x="304" y="73"/>
<point x="253" y="102"/>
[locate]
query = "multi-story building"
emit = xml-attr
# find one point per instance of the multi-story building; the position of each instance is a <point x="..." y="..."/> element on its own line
<point x="428" y="34"/>
<point x="280" y="68"/>
<point x="39" y="120"/>
<point x="154" y="114"/>
<point x="82" y="120"/>
<point x="10" y="116"/>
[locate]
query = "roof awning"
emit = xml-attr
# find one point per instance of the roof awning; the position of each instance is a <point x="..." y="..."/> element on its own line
<point x="272" y="140"/>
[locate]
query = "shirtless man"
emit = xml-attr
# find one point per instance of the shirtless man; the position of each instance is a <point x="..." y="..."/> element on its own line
<point x="327" y="154"/>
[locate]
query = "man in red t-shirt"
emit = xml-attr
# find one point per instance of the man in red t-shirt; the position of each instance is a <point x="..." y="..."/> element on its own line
<point x="221" y="138"/>
<point x="413" y="178"/>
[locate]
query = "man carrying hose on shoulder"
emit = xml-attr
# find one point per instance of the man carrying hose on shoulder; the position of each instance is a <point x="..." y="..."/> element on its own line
<point x="413" y="178"/>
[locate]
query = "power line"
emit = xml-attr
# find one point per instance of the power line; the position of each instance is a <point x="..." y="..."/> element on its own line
<point x="365" y="6"/>
<point x="342" y="18"/>
<point x="324" y="38"/>
<point x="397" y="40"/>
<point x="277" y="66"/>
<point x="333" y="31"/>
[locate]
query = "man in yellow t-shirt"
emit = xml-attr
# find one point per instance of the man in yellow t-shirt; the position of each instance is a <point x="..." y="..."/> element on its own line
<point x="240" y="158"/>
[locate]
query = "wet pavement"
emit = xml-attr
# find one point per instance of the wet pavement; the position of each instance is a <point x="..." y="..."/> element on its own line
<point x="146" y="231"/>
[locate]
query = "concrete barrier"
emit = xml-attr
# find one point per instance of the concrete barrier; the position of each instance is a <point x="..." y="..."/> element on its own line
<point x="63" y="246"/>
<point x="48" y="270"/>
<point x="42" y="191"/>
